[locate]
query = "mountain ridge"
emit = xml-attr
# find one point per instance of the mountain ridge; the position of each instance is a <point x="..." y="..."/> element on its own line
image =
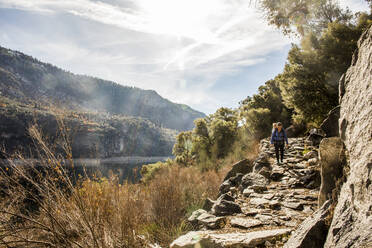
<point x="25" y="78"/>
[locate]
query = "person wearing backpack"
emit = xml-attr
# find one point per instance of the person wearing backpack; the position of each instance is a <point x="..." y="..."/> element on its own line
<point x="278" y="138"/>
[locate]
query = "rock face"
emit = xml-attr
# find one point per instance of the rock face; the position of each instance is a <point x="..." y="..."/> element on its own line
<point x="332" y="161"/>
<point x="352" y="221"/>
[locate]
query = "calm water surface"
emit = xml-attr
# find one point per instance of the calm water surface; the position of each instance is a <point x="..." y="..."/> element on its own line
<point x="123" y="167"/>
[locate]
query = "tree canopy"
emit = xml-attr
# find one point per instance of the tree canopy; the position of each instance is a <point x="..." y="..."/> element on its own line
<point x="309" y="82"/>
<point x="303" y="16"/>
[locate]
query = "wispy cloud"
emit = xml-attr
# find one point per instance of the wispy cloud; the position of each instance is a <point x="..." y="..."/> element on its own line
<point x="208" y="23"/>
<point x="181" y="48"/>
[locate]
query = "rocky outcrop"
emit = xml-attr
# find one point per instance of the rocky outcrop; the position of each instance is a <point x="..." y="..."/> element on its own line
<point x="352" y="220"/>
<point x="230" y="183"/>
<point x="256" y="182"/>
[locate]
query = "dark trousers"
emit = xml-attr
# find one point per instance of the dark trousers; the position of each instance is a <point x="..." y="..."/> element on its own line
<point x="279" y="148"/>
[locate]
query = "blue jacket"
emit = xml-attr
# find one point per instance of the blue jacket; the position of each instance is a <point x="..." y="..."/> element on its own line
<point x="278" y="136"/>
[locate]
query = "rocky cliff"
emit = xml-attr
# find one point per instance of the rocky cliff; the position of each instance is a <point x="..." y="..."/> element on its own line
<point x="352" y="220"/>
<point x="345" y="197"/>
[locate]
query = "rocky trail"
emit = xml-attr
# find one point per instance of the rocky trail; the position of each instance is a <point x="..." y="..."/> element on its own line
<point x="261" y="202"/>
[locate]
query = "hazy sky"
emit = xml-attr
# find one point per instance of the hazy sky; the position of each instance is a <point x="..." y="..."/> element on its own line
<point x="204" y="53"/>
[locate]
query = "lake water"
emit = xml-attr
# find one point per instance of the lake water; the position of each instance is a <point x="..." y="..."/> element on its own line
<point x="123" y="167"/>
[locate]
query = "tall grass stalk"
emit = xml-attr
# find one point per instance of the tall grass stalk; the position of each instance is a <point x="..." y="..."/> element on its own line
<point x="43" y="206"/>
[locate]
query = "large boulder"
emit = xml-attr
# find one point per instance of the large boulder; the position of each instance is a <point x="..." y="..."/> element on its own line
<point x="208" y="204"/>
<point x="231" y="182"/>
<point x="261" y="162"/>
<point x="193" y="219"/>
<point x="225" y="205"/>
<point x="244" y="166"/>
<point x="254" y="181"/>
<point x="211" y="239"/>
<point x="312" y="232"/>
<point x="315" y="136"/>
<point x="211" y="221"/>
<point x="223" y="208"/>
<point x="330" y="124"/>
<point x="332" y="161"/>
<point x="224" y="187"/>
<point x="352" y="220"/>
<point x="245" y="223"/>
<point x="189" y="240"/>
<point x="201" y="218"/>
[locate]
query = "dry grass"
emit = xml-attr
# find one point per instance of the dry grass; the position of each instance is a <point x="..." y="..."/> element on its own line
<point x="42" y="207"/>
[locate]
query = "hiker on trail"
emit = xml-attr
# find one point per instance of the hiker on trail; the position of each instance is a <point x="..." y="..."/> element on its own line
<point x="278" y="137"/>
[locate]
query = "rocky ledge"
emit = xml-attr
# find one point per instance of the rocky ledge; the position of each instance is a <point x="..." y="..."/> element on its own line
<point x="260" y="203"/>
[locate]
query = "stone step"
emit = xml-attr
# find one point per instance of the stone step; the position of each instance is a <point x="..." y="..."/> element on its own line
<point x="213" y="239"/>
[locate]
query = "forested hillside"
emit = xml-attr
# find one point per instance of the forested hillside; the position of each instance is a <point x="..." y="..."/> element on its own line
<point x="24" y="78"/>
<point x="90" y="135"/>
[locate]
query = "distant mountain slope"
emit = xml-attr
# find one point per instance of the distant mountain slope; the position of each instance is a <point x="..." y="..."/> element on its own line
<point x="24" y="78"/>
